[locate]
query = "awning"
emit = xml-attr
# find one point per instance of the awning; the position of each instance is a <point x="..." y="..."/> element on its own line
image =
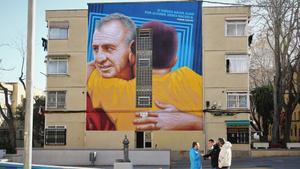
<point x="59" y="24"/>
<point x="237" y="122"/>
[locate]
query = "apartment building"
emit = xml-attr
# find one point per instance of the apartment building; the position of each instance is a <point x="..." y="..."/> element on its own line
<point x="226" y="74"/>
<point x="16" y="94"/>
<point x="295" y="126"/>
<point x="225" y="86"/>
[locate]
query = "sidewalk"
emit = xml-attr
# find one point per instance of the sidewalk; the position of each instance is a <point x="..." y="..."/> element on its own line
<point x="240" y="163"/>
<point x="174" y="165"/>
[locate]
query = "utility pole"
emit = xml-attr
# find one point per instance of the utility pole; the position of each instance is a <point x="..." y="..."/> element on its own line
<point x="29" y="79"/>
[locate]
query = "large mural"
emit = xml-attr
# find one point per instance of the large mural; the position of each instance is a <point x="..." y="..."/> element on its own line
<point x="176" y="66"/>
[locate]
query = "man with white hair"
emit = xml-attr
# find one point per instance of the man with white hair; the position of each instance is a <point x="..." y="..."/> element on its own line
<point x="225" y="154"/>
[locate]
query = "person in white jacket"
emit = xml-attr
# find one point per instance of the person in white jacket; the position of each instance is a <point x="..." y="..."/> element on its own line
<point x="225" y="153"/>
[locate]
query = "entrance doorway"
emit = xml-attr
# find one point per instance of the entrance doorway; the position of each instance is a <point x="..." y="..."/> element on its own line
<point x="143" y="139"/>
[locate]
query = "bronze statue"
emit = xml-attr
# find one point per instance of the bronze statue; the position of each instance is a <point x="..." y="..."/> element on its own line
<point x="126" y="149"/>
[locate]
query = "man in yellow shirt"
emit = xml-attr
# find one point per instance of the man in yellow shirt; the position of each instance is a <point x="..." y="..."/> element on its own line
<point x="181" y="88"/>
<point x="112" y="40"/>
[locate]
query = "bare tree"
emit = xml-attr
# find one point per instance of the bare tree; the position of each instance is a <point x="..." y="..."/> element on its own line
<point x="261" y="72"/>
<point x="2" y="68"/>
<point x="261" y="69"/>
<point x="19" y="45"/>
<point x="281" y="21"/>
<point x="9" y="119"/>
<point x="9" y="116"/>
<point x="277" y="23"/>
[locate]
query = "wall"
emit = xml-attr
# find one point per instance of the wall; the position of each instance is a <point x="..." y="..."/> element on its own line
<point x="177" y="140"/>
<point x="75" y="49"/>
<point x="73" y="157"/>
<point x="215" y="128"/>
<point x="274" y="153"/>
<point x="215" y="47"/>
<point x="174" y="140"/>
<point x="216" y="83"/>
<point x="295" y="125"/>
<point x="75" y="124"/>
<point x="108" y="139"/>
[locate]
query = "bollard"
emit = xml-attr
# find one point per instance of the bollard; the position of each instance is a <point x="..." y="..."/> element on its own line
<point x="93" y="156"/>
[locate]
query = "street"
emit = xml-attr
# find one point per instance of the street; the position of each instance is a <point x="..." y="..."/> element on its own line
<point x="254" y="163"/>
<point x="242" y="163"/>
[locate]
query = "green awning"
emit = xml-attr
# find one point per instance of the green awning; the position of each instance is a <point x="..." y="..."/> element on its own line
<point x="237" y="122"/>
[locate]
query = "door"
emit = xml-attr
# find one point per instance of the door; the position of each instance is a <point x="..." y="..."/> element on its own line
<point x="139" y="139"/>
<point x="143" y="139"/>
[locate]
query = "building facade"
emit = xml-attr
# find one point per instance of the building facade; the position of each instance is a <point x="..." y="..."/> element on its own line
<point x="16" y="95"/>
<point x="295" y="126"/>
<point x="225" y="86"/>
<point x="226" y="74"/>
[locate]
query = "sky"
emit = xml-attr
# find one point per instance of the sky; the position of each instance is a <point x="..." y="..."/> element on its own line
<point x="13" y="16"/>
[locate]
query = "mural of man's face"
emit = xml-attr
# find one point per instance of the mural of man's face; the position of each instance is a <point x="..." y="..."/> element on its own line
<point x="111" y="52"/>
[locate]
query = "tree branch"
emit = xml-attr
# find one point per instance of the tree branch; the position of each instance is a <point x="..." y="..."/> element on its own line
<point x="8" y="106"/>
<point x="3" y="114"/>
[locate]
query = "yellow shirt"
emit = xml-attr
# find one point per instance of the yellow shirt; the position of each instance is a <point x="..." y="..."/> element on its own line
<point x="181" y="88"/>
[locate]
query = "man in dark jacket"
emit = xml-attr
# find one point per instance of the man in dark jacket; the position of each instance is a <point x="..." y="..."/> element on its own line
<point x="213" y="153"/>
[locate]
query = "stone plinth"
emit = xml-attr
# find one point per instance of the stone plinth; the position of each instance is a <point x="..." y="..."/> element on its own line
<point x="123" y="165"/>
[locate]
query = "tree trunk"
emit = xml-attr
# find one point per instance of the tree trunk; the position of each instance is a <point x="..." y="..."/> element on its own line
<point x="277" y="110"/>
<point x="265" y="129"/>
<point x="287" y="128"/>
<point x="12" y="137"/>
<point x="278" y="76"/>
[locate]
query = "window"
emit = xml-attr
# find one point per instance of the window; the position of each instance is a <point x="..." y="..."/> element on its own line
<point x="55" y="135"/>
<point x="58" y="30"/>
<point x="145" y="62"/>
<point x="238" y="135"/>
<point x="57" y="66"/>
<point x="58" y="33"/>
<point x="237" y="100"/>
<point x="144" y="100"/>
<point x="235" y="28"/>
<point x="237" y="64"/>
<point x="56" y="99"/>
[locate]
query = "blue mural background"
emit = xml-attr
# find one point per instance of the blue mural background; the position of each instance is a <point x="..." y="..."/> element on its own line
<point x="185" y="17"/>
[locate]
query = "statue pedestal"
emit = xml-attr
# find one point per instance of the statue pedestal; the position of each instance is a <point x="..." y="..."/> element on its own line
<point x="123" y="165"/>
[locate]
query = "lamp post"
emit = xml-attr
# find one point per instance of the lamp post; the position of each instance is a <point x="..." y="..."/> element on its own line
<point x="29" y="88"/>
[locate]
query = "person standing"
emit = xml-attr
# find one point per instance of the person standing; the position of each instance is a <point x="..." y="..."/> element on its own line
<point x="195" y="160"/>
<point x="213" y="153"/>
<point x="225" y="154"/>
